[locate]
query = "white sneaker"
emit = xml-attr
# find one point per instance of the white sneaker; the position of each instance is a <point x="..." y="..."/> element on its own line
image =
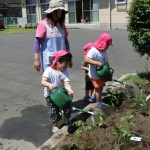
<point x="55" y="130"/>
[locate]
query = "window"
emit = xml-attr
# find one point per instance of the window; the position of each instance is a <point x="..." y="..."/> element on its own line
<point x="30" y="2"/>
<point x="120" y="1"/>
<point x="31" y="11"/>
<point x="72" y="12"/>
<point x="44" y="1"/>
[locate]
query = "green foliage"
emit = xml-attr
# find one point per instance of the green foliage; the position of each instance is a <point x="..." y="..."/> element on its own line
<point x="115" y="97"/>
<point x="139" y="26"/>
<point x="140" y="100"/>
<point x="16" y="30"/>
<point x="86" y="128"/>
<point x="140" y="78"/>
<point x="123" y="131"/>
<point x="79" y="146"/>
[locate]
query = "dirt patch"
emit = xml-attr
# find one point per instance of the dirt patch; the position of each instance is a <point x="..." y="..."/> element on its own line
<point x="114" y="132"/>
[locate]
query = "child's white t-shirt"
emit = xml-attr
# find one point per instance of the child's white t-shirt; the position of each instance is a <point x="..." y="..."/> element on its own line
<point x="55" y="78"/>
<point x="96" y="55"/>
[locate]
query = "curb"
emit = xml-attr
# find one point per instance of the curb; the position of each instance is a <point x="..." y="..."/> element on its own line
<point x="55" y="139"/>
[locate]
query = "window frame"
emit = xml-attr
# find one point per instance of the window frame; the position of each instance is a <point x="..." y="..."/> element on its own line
<point x="118" y="2"/>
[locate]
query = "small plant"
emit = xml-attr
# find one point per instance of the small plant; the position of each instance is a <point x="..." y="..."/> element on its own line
<point x="115" y="97"/>
<point x="78" y="123"/>
<point x="79" y="146"/>
<point x="140" y="100"/>
<point x="123" y="131"/>
<point x="86" y="128"/>
<point x="99" y="117"/>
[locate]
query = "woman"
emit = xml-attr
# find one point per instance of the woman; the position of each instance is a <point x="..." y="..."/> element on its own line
<point x="51" y="35"/>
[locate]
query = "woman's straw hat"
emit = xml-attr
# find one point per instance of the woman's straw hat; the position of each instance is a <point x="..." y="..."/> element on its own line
<point x="54" y="5"/>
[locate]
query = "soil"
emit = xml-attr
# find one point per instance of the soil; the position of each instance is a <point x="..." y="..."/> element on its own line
<point x="103" y="138"/>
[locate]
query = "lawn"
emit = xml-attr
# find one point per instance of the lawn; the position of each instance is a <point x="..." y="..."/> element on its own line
<point x="15" y="30"/>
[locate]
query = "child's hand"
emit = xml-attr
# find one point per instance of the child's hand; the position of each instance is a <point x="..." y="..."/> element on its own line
<point x="99" y="64"/>
<point x="70" y="92"/>
<point x="51" y="86"/>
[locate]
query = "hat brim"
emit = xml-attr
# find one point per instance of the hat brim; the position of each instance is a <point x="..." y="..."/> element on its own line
<point x="50" y="10"/>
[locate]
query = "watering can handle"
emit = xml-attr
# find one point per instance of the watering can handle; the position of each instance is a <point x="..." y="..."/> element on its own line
<point x="53" y="89"/>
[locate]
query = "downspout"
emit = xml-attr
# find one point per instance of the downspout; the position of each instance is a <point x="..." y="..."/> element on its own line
<point x="109" y="12"/>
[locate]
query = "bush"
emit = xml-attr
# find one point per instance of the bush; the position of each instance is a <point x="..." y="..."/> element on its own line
<point x="139" y="26"/>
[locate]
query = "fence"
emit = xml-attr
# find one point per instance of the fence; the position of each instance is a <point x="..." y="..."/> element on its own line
<point x="14" y="22"/>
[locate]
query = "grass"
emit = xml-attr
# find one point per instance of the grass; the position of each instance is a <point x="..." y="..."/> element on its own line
<point x="140" y="78"/>
<point x="16" y="30"/>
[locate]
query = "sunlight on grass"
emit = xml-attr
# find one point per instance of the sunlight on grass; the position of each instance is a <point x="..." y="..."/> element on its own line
<point x="16" y="30"/>
<point x="137" y="78"/>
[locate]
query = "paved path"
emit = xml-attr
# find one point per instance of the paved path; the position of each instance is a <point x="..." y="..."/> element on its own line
<point x="23" y="117"/>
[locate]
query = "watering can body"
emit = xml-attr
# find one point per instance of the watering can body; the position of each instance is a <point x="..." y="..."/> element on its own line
<point x="60" y="97"/>
<point x="105" y="72"/>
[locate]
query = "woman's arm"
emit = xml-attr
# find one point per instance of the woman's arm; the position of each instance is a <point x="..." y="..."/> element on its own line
<point x="37" y="63"/>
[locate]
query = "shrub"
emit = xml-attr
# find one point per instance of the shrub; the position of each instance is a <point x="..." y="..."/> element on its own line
<point x="139" y="26"/>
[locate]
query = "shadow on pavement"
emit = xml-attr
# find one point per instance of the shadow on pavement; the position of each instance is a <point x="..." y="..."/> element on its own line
<point x="33" y="126"/>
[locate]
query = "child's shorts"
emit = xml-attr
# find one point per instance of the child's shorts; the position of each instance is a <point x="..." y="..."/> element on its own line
<point x="55" y="113"/>
<point x="97" y="83"/>
<point x="88" y="85"/>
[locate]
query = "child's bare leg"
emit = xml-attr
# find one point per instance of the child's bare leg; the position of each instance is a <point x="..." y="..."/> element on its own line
<point x="98" y="93"/>
<point x="93" y="94"/>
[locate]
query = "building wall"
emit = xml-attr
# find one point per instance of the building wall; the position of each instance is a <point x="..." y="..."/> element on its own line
<point x="113" y="16"/>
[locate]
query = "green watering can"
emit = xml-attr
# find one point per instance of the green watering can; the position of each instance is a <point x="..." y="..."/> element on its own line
<point x="105" y="72"/>
<point x="60" y="97"/>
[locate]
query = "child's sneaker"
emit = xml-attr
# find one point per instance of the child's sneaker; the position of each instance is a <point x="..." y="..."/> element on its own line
<point x="92" y="99"/>
<point x="55" y="130"/>
<point x="102" y="103"/>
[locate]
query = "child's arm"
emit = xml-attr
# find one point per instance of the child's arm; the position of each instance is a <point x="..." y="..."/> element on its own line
<point x="92" y="62"/>
<point x="85" y="68"/>
<point x="45" y="83"/>
<point x="68" y="88"/>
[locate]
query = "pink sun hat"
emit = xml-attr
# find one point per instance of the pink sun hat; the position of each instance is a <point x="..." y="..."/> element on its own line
<point x="57" y="55"/>
<point x="100" y="44"/>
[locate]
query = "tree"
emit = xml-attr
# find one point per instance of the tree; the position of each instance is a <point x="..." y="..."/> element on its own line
<point x="138" y="26"/>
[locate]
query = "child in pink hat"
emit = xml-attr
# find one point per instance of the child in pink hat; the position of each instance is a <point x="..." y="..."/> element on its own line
<point x="96" y="55"/>
<point x="57" y="75"/>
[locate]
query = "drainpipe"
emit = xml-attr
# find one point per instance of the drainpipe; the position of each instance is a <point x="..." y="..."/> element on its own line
<point x="109" y="12"/>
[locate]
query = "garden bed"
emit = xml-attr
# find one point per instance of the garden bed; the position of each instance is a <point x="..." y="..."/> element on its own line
<point x="114" y="125"/>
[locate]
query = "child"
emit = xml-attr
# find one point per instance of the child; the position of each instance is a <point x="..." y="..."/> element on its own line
<point x="88" y="85"/>
<point x="57" y="76"/>
<point x="96" y="55"/>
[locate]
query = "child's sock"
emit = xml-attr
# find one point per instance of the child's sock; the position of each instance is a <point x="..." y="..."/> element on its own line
<point x="55" y="130"/>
